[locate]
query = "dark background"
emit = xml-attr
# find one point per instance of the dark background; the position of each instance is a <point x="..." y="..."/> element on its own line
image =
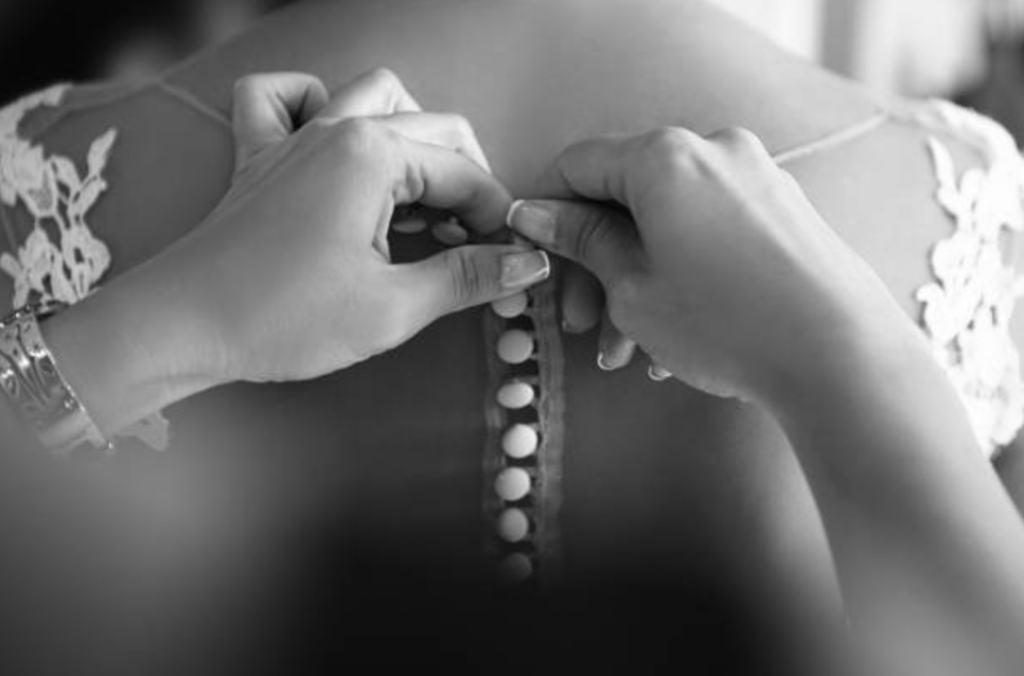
<point x="47" y="41"/>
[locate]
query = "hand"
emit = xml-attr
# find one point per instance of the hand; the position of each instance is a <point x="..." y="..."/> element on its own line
<point x="711" y="258"/>
<point x="291" y="273"/>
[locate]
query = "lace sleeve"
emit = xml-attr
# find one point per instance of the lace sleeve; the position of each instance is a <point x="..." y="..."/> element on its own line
<point x="968" y="306"/>
<point x="60" y="259"/>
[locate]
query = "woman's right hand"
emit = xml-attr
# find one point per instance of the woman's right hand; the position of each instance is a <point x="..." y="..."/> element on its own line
<point x="290" y="276"/>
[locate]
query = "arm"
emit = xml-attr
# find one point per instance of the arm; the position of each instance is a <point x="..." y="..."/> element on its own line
<point x="928" y="546"/>
<point x="133" y="348"/>
<point x="727" y="276"/>
<point x="238" y="299"/>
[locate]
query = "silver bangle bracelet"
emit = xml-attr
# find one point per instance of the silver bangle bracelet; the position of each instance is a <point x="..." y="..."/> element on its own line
<point x="31" y="380"/>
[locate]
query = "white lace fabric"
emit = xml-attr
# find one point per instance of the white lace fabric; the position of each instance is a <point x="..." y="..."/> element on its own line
<point x="967" y="308"/>
<point x="60" y="260"/>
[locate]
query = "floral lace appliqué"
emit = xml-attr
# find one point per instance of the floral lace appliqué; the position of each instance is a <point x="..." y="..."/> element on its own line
<point x="59" y="199"/>
<point x="967" y="309"/>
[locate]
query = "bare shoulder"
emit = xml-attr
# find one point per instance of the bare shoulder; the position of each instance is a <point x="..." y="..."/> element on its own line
<point x="932" y="201"/>
<point x="878" y="192"/>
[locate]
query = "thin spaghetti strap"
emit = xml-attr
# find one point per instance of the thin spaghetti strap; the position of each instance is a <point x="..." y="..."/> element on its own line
<point x="76" y="98"/>
<point x="89" y="96"/>
<point x="193" y="101"/>
<point x="834" y="139"/>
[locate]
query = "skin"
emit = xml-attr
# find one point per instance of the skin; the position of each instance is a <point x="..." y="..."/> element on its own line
<point x="732" y="488"/>
<point x="337" y="169"/>
<point x="928" y="544"/>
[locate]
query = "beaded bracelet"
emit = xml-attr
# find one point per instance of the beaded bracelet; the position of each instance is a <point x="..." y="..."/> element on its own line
<point x="30" y="378"/>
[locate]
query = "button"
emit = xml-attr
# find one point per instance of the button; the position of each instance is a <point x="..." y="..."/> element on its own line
<point x="513" y="525"/>
<point x="513" y="483"/>
<point x="515" y="568"/>
<point x="409" y="226"/>
<point x="450" y="232"/>
<point x="516" y="394"/>
<point x="519" y="441"/>
<point x="515" y="346"/>
<point x="510" y="307"/>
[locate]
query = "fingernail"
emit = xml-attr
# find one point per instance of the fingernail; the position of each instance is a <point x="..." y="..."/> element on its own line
<point x="450" y="232"/>
<point x="532" y="220"/>
<point x="525" y="268"/>
<point x="602" y="362"/>
<point x="657" y="374"/>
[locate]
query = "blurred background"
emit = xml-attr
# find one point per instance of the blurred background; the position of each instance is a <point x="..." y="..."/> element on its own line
<point x="968" y="50"/>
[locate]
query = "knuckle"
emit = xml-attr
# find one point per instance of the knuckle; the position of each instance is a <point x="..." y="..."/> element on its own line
<point x="456" y="130"/>
<point x="738" y="139"/>
<point x="594" y="228"/>
<point x="461" y="126"/>
<point x="626" y="290"/>
<point x="358" y="136"/>
<point x="247" y="84"/>
<point x="671" y="148"/>
<point x="624" y="295"/>
<point x="467" y="280"/>
<point x="384" y="77"/>
<point x="672" y="140"/>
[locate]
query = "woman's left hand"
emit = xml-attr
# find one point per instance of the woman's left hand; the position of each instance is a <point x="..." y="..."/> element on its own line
<point x="715" y="262"/>
<point x="724" y="273"/>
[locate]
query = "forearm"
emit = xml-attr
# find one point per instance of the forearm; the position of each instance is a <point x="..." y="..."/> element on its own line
<point x="928" y="546"/>
<point x="133" y="347"/>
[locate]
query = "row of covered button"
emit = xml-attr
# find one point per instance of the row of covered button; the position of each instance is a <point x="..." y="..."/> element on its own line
<point x="519" y="443"/>
<point x="520" y="440"/>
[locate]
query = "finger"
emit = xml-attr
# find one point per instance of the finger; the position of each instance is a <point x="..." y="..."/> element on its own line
<point x="468" y="276"/>
<point x="269" y="107"/>
<point x="582" y="300"/>
<point x="601" y="239"/>
<point x="442" y="129"/>
<point x="441" y="178"/>
<point x="614" y="350"/>
<point x="615" y="168"/>
<point x="378" y="92"/>
<point x="593" y="168"/>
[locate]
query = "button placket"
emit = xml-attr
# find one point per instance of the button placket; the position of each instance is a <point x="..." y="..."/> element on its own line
<point x="515" y="482"/>
<point x="515" y="463"/>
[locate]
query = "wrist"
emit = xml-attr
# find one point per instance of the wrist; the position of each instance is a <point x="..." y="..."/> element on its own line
<point x="877" y="406"/>
<point x="132" y="348"/>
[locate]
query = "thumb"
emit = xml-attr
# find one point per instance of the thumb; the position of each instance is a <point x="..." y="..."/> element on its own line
<point x="468" y="276"/>
<point x="269" y="107"/>
<point x="600" y="238"/>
